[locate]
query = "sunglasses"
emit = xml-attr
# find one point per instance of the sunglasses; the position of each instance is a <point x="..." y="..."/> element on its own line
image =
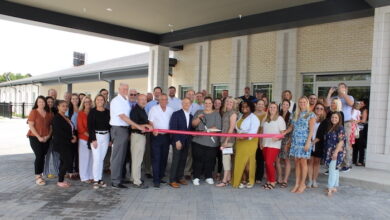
<point x="133" y="94"/>
<point x="319" y="108"/>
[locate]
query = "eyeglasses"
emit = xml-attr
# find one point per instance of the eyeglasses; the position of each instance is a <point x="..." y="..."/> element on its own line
<point x="133" y="94"/>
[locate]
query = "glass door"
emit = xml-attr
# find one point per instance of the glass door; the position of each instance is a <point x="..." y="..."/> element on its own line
<point x="358" y="90"/>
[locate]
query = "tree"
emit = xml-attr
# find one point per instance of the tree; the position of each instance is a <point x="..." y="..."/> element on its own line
<point x="5" y="77"/>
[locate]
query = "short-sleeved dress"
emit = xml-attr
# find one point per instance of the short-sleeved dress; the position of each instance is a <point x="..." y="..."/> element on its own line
<point x="299" y="135"/>
<point x="331" y="140"/>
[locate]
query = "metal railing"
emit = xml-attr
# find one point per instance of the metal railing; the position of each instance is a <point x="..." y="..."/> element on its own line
<point x="5" y="109"/>
<point x="19" y="110"/>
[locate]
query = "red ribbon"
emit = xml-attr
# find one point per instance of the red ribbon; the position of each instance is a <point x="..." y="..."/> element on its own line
<point x="198" y="133"/>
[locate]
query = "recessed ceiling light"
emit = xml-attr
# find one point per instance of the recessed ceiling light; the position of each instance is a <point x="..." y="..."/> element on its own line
<point x="109" y="9"/>
<point x="170" y="25"/>
<point x="84" y="10"/>
<point x="240" y="16"/>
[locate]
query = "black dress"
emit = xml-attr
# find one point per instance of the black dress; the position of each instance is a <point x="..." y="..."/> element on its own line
<point x="62" y="136"/>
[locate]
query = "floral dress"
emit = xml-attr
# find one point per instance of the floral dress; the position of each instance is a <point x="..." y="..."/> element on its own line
<point x="286" y="143"/>
<point x="331" y="140"/>
<point x="299" y="135"/>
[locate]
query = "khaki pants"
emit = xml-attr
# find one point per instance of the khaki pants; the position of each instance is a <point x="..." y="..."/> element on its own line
<point x="137" y="147"/>
<point x="348" y="157"/>
<point x="147" y="163"/>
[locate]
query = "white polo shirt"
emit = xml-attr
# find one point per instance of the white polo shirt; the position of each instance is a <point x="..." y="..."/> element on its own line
<point x="159" y="118"/>
<point x="119" y="105"/>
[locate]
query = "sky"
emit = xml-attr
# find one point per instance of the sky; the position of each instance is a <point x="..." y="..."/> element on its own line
<point x="37" y="50"/>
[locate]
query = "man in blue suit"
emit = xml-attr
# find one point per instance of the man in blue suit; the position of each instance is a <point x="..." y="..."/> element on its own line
<point x="180" y="120"/>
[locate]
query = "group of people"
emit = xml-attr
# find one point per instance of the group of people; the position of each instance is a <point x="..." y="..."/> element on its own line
<point x="80" y="137"/>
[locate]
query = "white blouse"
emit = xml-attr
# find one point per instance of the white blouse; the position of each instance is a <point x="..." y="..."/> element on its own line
<point x="250" y="125"/>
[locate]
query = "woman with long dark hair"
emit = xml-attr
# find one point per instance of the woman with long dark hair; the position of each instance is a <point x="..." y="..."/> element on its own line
<point x="283" y="157"/>
<point x="39" y="122"/>
<point x="317" y="146"/>
<point x="72" y="114"/>
<point x="63" y="139"/>
<point x="52" y="159"/>
<point x="335" y="151"/>
<point x="361" y="143"/>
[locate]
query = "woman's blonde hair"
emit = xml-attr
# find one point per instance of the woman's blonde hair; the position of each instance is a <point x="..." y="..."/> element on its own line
<point x="299" y="110"/>
<point x="82" y="105"/>
<point x="338" y="105"/>
<point x="234" y="104"/>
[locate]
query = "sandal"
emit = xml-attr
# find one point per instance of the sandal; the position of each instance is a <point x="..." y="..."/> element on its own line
<point x="265" y="185"/>
<point x="40" y="181"/>
<point x="222" y="184"/>
<point x="102" y="184"/>
<point x="270" y="186"/>
<point x="283" y="185"/>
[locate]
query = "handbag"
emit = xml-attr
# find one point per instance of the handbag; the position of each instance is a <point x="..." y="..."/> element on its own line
<point x="357" y="131"/>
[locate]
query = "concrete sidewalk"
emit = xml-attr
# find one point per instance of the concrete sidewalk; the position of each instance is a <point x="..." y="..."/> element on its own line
<point x="363" y="194"/>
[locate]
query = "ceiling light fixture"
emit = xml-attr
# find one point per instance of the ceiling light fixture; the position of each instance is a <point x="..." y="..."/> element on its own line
<point x="84" y="10"/>
<point x="239" y="16"/>
<point x="109" y="9"/>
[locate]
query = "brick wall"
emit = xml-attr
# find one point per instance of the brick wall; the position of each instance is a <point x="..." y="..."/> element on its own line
<point x="262" y="57"/>
<point x="338" y="46"/>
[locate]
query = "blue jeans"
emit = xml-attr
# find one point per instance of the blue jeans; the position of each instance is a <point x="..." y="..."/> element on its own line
<point x="334" y="175"/>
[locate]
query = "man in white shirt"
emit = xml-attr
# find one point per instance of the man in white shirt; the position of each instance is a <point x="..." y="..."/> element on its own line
<point x="173" y="102"/>
<point x="159" y="116"/>
<point x="120" y="121"/>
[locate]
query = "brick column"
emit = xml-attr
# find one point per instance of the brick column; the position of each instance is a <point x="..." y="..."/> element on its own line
<point x="239" y="66"/>
<point x="202" y="66"/>
<point x="378" y="145"/>
<point x="158" y="67"/>
<point x="286" y="64"/>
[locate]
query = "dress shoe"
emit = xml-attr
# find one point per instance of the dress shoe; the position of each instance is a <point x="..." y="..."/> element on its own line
<point x="183" y="182"/>
<point x="163" y="182"/>
<point x="140" y="186"/>
<point x="174" y="185"/>
<point x="149" y="176"/>
<point x="156" y="185"/>
<point x="118" y="186"/>
<point x="188" y="177"/>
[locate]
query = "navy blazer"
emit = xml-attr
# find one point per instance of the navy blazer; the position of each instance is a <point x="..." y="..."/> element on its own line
<point x="178" y="122"/>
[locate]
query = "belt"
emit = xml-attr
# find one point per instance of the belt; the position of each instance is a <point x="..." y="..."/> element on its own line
<point x="101" y="132"/>
<point x="137" y="132"/>
<point x="120" y="126"/>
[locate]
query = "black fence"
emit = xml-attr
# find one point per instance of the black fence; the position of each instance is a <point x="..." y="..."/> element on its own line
<point x="19" y="110"/>
<point x="5" y="110"/>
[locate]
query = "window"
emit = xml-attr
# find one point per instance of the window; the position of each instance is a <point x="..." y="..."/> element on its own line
<point x="308" y="85"/>
<point x="265" y="87"/>
<point x="217" y="90"/>
<point x="183" y="90"/>
<point x="320" y="83"/>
